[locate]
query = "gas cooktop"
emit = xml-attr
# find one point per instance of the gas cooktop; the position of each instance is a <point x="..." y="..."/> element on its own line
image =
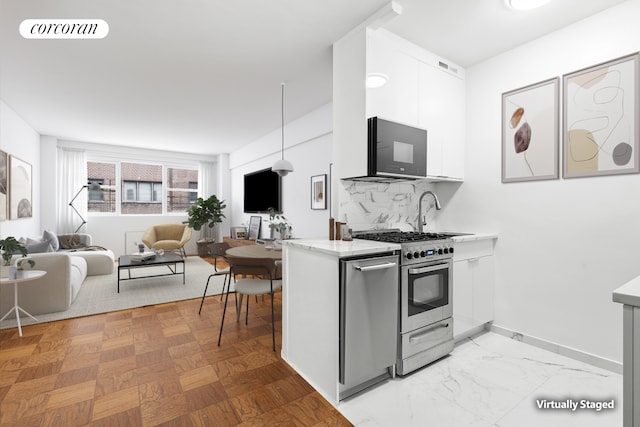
<point x="397" y="236"/>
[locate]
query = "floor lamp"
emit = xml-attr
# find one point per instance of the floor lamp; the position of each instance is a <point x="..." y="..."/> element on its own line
<point x="94" y="186"/>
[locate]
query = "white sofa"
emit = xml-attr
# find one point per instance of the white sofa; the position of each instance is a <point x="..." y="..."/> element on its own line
<point x="53" y="292"/>
<point x="98" y="261"/>
<point x="66" y="271"/>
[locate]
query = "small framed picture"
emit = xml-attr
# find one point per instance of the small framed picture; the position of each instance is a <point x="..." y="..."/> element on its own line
<point x="238" y="232"/>
<point x="319" y="192"/>
<point x="254" y="227"/>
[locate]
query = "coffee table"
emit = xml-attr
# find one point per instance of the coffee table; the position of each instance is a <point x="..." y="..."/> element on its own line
<point x="168" y="259"/>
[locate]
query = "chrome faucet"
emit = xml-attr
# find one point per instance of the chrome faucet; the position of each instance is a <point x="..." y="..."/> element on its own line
<point x="422" y="222"/>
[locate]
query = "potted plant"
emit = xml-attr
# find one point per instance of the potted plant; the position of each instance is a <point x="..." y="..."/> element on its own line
<point x="10" y="246"/>
<point x="22" y="263"/>
<point x="278" y="223"/>
<point x="205" y="214"/>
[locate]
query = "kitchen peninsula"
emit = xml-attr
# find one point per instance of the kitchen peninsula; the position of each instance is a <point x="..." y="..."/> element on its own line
<point x="311" y="306"/>
<point x="312" y="301"/>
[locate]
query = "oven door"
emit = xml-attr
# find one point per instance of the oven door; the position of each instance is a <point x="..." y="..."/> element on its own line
<point x="426" y="294"/>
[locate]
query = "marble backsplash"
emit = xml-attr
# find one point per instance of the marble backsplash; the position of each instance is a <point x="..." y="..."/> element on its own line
<point x="373" y="205"/>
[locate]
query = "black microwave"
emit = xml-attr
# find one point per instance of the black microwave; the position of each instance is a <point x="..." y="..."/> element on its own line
<point x="396" y="150"/>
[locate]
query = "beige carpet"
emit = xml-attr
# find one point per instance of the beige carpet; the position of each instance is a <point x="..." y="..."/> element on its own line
<point x="99" y="294"/>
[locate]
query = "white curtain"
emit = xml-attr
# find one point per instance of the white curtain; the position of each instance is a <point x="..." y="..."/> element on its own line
<point x="206" y="182"/>
<point x="72" y="176"/>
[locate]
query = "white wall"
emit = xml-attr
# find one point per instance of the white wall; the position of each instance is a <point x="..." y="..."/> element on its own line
<point x="564" y="245"/>
<point x="223" y="191"/>
<point x="308" y="147"/>
<point x="19" y="139"/>
<point x="49" y="172"/>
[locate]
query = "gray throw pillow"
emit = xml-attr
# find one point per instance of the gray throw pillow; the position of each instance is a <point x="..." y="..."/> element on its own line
<point x="38" y="247"/>
<point x="52" y="238"/>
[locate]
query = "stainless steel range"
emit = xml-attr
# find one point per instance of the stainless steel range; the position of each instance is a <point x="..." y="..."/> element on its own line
<point x="426" y="307"/>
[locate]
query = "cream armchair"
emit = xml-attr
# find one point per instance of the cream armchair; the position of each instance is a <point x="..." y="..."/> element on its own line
<point x="169" y="237"/>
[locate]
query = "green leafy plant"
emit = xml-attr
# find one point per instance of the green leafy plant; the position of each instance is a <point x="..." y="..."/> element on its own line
<point x="205" y="213"/>
<point x="9" y="246"/>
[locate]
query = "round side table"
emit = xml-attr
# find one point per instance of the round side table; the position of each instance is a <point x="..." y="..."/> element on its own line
<point x="23" y="276"/>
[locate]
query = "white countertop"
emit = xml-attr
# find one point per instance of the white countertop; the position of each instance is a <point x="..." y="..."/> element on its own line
<point x="475" y="236"/>
<point x="341" y="248"/>
<point x="629" y="293"/>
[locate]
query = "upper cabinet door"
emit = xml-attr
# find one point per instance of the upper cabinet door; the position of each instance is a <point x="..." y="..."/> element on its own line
<point x="442" y="112"/>
<point x="397" y="100"/>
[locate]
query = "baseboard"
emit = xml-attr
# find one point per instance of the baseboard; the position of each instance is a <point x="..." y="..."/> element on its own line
<point x="462" y="337"/>
<point x="591" y="359"/>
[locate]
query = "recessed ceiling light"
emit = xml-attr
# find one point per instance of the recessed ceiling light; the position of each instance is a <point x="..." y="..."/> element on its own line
<point x="376" y="80"/>
<point x="525" y="4"/>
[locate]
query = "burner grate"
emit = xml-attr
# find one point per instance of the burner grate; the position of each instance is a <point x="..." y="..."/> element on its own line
<point x="402" y="236"/>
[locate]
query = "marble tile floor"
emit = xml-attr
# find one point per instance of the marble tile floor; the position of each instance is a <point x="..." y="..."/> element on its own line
<point x="491" y="380"/>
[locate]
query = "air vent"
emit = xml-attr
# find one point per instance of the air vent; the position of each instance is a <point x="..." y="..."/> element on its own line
<point x="446" y="66"/>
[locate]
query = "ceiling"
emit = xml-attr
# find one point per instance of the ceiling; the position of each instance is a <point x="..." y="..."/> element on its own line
<point x="203" y="76"/>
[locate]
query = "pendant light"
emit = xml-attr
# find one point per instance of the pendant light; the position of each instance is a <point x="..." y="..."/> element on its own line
<point x="282" y="167"/>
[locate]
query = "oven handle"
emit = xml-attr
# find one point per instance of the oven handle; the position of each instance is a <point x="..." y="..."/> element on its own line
<point x="375" y="267"/>
<point x="428" y="269"/>
<point x="422" y="335"/>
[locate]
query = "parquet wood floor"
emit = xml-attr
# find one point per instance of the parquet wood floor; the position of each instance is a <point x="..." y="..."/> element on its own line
<point x="156" y="366"/>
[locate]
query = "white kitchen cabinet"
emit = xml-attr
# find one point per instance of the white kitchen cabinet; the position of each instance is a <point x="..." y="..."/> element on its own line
<point x="422" y="90"/>
<point x="441" y="110"/>
<point x="397" y="100"/>
<point x="473" y="277"/>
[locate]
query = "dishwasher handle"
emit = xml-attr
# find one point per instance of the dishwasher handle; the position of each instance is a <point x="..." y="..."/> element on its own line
<point x="375" y="267"/>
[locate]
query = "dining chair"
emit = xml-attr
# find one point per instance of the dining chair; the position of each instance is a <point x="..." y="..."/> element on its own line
<point x="217" y="250"/>
<point x="257" y="279"/>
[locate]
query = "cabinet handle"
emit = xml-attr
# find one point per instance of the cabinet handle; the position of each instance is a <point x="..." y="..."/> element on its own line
<point x="375" y="267"/>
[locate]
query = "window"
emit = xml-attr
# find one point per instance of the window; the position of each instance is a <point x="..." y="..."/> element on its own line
<point x="104" y="199"/>
<point x="142" y="188"/>
<point x="149" y="192"/>
<point x="182" y="189"/>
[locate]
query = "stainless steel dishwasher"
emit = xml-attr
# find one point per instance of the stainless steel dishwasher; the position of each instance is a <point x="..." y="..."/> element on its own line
<point x="368" y="321"/>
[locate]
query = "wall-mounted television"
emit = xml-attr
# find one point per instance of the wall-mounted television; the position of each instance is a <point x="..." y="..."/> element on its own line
<point x="262" y="190"/>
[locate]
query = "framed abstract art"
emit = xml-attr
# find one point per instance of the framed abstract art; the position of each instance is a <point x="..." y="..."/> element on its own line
<point x="600" y="130"/>
<point x="530" y="132"/>
<point x="4" y="185"/>
<point x="20" y="189"/>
